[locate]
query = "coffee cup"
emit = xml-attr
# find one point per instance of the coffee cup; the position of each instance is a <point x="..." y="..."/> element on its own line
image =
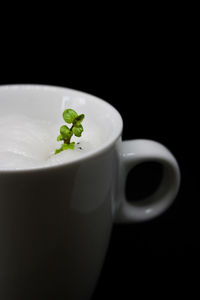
<point x="56" y="220"/>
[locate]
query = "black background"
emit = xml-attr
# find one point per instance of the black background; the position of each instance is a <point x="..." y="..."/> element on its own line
<point x="146" y="67"/>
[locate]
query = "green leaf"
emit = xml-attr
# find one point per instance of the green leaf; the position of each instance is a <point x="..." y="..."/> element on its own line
<point x="68" y="146"/>
<point x="59" y="150"/>
<point x="77" y="130"/>
<point x="59" y="138"/>
<point x="65" y="147"/>
<point x="80" y="118"/>
<point x="65" y="132"/>
<point x="69" y="115"/>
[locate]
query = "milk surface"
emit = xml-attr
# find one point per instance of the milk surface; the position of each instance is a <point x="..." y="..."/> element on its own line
<point x="30" y="143"/>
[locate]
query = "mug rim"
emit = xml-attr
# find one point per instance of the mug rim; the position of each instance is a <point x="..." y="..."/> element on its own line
<point x="98" y="151"/>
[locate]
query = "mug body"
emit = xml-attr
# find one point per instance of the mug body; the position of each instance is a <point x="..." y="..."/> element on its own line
<point x="55" y="222"/>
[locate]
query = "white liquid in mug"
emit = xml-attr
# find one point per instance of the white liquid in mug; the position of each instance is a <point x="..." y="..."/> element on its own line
<point x="28" y="143"/>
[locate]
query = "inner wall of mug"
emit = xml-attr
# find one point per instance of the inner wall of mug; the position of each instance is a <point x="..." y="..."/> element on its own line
<point x="48" y="103"/>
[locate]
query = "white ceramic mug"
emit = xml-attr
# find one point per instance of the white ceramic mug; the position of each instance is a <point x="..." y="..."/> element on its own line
<point x="53" y="240"/>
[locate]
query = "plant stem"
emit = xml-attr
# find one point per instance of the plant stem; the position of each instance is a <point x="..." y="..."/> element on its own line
<point x="67" y="141"/>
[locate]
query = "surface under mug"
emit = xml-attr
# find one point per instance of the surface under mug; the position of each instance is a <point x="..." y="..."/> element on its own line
<point x="53" y="240"/>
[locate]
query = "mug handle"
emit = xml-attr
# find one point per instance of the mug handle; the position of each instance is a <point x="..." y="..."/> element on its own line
<point x="133" y="153"/>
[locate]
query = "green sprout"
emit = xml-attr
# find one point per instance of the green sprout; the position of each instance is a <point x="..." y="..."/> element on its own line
<point x="66" y="133"/>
